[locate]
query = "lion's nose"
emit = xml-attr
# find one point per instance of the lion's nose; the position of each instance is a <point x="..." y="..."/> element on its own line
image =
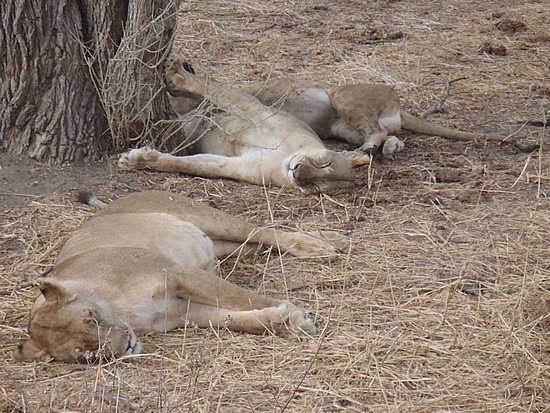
<point x="298" y="172"/>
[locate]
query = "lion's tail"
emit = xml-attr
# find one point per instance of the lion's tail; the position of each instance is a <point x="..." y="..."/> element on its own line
<point x="414" y="124"/>
<point x="88" y="198"/>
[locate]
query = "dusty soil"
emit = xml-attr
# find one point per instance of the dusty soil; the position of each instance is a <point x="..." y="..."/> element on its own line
<point x="22" y="179"/>
<point x="441" y="304"/>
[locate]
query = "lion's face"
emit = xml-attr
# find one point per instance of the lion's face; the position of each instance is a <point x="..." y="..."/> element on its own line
<point x="68" y="328"/>
<point x="325" y="171"/>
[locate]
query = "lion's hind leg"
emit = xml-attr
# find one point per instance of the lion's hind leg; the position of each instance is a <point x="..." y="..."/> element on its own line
<point x="181" y="82"/>
<point x="369" y="114"/>
<point x="367" y="139"/>
<point x="392" y="145"/>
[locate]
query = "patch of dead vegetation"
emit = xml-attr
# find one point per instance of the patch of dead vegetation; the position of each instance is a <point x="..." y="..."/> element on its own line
<point x="511" y="26"/>
<point x="489" y="48"/>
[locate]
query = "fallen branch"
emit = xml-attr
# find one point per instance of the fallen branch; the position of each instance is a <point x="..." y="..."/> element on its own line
<point x="438" y="107"/>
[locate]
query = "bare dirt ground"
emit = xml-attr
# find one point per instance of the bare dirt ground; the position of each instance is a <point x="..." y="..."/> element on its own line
<point x="441" y="304"/>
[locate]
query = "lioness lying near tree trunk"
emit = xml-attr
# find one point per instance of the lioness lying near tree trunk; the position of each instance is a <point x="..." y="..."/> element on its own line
<point x="364" y="115"/>
<point x="146" y="263"/>
<point x="248" y="141"/>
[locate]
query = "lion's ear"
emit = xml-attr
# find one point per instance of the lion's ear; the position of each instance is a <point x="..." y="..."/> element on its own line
<point x="53" y="291"/>
<point x="357" y="159"/>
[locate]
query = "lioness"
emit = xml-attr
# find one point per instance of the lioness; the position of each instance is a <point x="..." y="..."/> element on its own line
<point x="364" y="115"/>
<point x="248" y="141"/>
<point x="145" y="263"/>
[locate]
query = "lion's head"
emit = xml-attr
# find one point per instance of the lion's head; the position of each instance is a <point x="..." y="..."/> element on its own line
<point x="70" y="328"/>
<point x="324" y="171"/>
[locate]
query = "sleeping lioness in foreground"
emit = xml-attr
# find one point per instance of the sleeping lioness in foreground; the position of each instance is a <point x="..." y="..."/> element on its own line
<point x="145" y="263"/>
<point x="249" y="142"/>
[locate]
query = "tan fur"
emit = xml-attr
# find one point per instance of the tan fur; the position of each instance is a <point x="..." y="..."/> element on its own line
<point x="146" y="263"/>
<point x="248" y="141"/>
<point x="363" y="115"/>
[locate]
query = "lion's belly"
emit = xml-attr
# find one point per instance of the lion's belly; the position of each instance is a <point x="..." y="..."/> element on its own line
<point x="234" y="136"/>
<point x="179" y="241"/>
<point x="390" y="122"/>
<point x="313" y="107"/>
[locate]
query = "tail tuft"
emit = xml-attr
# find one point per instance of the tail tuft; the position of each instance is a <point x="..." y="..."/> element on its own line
<point x="88" y="198"/>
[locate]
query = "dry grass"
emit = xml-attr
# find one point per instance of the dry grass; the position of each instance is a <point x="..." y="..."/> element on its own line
<point x="442" y="303"/>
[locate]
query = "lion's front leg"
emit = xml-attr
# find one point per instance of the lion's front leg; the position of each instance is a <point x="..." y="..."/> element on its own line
<point x="241" y="168"/>
<point x="210" y="300"/>
<point x="282" y="319"/>
<point x="139" y="159"/>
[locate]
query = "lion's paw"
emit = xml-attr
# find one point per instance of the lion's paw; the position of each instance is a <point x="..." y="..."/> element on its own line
<point x="391" y="147"/>
<point x="337" y="239"/>
<point x="178" y="76"/>
<point x="294" y="319"/>
<point x="319" y="244"/>
<point x="138" y="158"/>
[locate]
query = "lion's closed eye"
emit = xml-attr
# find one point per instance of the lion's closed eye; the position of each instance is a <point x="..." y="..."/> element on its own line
<point x="322" y="164"/>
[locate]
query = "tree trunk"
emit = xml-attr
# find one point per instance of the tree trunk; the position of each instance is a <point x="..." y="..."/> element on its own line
<point x="136" y="103"/>
<point x="56" y="97"/>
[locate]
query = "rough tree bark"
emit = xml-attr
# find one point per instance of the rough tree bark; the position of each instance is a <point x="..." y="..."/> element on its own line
<point x="80" y="77"/>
